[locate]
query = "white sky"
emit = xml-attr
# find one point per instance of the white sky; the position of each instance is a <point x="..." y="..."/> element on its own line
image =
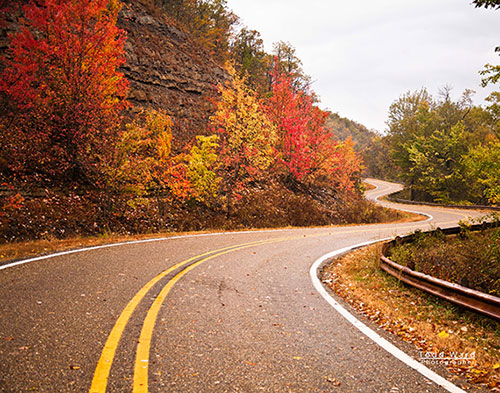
<point x="365" y="54"/>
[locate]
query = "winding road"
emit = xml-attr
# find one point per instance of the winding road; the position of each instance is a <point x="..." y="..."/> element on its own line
<point x="227" y="312"/>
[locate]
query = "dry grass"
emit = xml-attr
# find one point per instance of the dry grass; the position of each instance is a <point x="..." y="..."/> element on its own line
<point x="61" y="216"/>
<point x="20" y="250"/>
<point x="408" y="217"/>
<point x="368" y="186"/>
<point x="427" y="322"/>
<point x="471" y="259"/>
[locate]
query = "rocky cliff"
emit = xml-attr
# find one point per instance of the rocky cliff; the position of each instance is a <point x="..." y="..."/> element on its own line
<point x="165" y="67"/>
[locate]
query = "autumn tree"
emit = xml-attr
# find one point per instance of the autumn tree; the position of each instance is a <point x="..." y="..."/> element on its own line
<point x="300" y="125"/>
<point x="344" y="168"/>
<point x="250" y="59"/>
<point x="145" y="168"/>
<point x="202" y="166"/>
<point x="246" y="136"/>
<point x="143" y="154"/>
<point x="287" y="63"/>
<point x="65" y="93"/>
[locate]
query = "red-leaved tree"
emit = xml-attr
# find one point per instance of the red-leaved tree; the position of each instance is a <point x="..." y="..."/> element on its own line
<point x="301" y="130"/>
<point x="306" y="150"/>
<point x="64" y="90"/>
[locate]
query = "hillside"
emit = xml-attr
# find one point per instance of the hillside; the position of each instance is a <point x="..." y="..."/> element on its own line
<point x="167" y="69"/>
<point x="344" y="128"/>
<point x="164" y="66"/>
<point x="126" y="117"/>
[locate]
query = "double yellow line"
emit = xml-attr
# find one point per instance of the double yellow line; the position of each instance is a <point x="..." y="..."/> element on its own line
<point x="140" y="384"/>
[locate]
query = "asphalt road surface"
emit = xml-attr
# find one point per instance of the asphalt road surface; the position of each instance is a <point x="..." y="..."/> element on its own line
<point x="243" y="316"/>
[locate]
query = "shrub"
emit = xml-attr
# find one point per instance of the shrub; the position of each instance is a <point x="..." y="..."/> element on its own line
<point x="472" y="260"/>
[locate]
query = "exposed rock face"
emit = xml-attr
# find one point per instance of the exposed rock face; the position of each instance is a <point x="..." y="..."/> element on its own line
<point x="167" y="70"/>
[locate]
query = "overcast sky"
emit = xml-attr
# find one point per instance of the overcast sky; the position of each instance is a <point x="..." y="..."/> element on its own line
<point x="365" y="54"/>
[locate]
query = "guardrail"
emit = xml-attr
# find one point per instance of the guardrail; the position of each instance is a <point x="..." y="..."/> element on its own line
<point x="473" y="300"/>
<point x="465" y="207"/>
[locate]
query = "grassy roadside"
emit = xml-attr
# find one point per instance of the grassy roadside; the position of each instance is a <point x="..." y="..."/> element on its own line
<point x="430" y="324"/>
<point x="471" y="259"/>
<point x="10" y="251"/>
<point x="368" y="186"/>
<point x="20" y="250"/>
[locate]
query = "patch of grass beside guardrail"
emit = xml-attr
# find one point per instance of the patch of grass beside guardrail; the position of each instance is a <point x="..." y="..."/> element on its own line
<point x="470" y="259"/>
<point x="432" y="325"/>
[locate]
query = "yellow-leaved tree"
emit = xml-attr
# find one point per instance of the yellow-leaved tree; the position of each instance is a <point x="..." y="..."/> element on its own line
<point x="143" y="153"/>
<point x="246" y="136"/>
<point x="202" y="164"/>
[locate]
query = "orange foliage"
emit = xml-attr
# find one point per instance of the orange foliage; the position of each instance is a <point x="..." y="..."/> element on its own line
<point x="64" y="90"/>
<point x="245" y="133"/>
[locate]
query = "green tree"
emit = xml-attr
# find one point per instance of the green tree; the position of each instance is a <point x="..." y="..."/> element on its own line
<point x="483" y="165"/>
<point x="491" y="73"/>
<point x="494" y="110"/>
<point x="287" y="63"/>
<point x="247" y="51"/>
<point x="436" y="164"/>
<point x="428" y="139"/>
<point x="410" y="117"/>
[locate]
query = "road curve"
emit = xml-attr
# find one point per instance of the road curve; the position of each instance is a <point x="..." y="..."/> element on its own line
<point x="243" y="316"/>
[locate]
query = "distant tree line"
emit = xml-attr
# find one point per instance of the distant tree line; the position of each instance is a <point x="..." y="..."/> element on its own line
<point x="443" y="150"/>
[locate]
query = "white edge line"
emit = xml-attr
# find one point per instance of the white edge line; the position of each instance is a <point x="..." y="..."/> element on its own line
<point x="429" y="217"/>
<point x="79" y="250"/>
<point x="379" y="340"/>
<point x="58" y="254"/>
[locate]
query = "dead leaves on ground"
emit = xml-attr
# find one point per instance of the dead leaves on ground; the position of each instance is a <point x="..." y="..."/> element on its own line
<point x="353" y="279"/>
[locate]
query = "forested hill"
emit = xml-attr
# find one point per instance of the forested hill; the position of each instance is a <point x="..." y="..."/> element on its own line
<point x="133" y="116"/>
<point x="344" y="128"/>
<point x="173" y="65"/>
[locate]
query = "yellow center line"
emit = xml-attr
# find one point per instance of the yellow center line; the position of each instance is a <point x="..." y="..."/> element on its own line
<point x="101" y="374"/>
<point x="141" y="368"/>
<point x="143" y="347"/>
